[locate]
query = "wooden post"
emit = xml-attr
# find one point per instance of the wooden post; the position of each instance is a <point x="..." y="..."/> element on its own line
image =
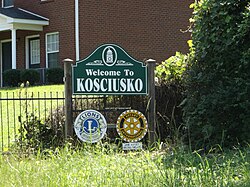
<point x="68" y="98"/>
<point x="151" y="102"/>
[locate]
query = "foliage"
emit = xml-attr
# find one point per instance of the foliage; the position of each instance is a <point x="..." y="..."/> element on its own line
<point x="172" y="69"/>
<point x="55" y="75"/>
<point x="217" y="103"/>
<point x="38" y="131"/>
<point x="169" y="114"/>
<point x="30" y="75"/>
<point x="35" y="134"/>
<point x="169" y="94"/>
<point x="11" y="77"/>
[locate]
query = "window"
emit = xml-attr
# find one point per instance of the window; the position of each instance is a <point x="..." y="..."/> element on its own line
<point x="34" y="44"/>
<point x="46" y="1"/>
<point x="7" y="3"/>
<point x="52" y="50"/>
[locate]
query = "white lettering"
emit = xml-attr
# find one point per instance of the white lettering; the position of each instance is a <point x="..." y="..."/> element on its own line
<point x="96" y="85"/>
<point x="88" y="85"/>
<point x="79" y="85"/>
<point x="91" y="72"/>
<point x="102" y="85"/>
<point x="115" y="86"/>
<point x="128" y="72"/>
<point x="109" y="85"/>
<point x="123" y="85"/>
<point x="138" y="85"/>
<point x="130" y="86"/>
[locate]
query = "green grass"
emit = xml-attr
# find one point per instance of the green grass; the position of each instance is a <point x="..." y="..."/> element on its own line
<point x="11" y="111"/>
<point x="45" y="88"/>
<point x="99" y="166"/>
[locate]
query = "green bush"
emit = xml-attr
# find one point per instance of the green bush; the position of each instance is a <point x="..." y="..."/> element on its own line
<point x="55" y="75"/>
<point x="35" y="135"/>
<point x="216" y="108"/>
<point x="169" y="95"/>
<point x="30" y="75"/>
<point x="172" y="69"/>
<point x="11" y="77"/>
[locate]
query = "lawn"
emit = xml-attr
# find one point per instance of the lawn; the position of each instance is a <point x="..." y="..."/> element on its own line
<point x="12" y="111"/>
<point x="33" y="89"/>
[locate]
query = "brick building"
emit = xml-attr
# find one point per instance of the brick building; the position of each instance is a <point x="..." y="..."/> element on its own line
<point x="41" y="33"/>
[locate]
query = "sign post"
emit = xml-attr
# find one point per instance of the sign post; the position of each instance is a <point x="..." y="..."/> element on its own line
<point x="151" y="110"/>
<point x="68" y="129"/>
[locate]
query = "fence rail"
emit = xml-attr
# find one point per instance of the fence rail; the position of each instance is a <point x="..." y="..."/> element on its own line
<point x="17" y="108"/>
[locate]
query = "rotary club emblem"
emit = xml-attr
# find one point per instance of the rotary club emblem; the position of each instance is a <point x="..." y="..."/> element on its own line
<point x="132" y="126"/>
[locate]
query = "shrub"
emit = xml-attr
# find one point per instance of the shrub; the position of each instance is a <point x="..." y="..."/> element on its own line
<point x="169" y="95"/>
<point x="30" y="75"/>
<point x="172" y="69"/>
<point x="11" y="77"/>
<point x="216" y="108"/>
<point x="55" y="75"/>
<point x="35" y="135"/>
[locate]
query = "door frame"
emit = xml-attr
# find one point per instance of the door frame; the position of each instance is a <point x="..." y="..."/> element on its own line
<point x="27" y="52"/>
<point x="1" y="60"/>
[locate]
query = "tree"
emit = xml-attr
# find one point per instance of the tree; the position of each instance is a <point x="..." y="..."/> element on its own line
<point x="217" y="104"/>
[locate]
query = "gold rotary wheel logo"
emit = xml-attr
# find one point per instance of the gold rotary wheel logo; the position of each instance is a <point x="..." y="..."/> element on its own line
<point x="132" y="126"/>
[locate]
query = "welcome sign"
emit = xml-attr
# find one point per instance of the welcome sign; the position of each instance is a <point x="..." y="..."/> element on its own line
<point x="109" y="70"/>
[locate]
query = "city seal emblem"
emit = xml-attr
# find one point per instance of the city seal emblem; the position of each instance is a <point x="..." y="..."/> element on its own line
<point x="90" y="126"/>
<point x="109" y="56"/>
<point x="132" y="126"/>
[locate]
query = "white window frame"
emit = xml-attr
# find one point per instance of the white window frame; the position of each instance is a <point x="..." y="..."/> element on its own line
<point x="3" y="6"/>
<point x="46" y="46"/>
<point x="27" y="49"/>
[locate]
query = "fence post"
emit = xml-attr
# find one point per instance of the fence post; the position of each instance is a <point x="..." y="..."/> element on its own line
<point x="68" y="98"/>
<point x="151" y="102"/>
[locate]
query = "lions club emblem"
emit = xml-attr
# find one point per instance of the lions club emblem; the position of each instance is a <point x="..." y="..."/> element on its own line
<point x="90" y="126"/>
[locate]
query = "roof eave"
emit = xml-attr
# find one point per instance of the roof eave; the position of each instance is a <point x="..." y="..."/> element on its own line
<point x="27" y="21"/>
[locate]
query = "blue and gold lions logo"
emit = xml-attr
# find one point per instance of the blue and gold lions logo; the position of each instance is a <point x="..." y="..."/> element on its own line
<point x="90" y="126"/>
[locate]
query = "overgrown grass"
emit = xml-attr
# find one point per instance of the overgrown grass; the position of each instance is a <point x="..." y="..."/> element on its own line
<point x="99" y="166"/>
<point x="106" y="165"/>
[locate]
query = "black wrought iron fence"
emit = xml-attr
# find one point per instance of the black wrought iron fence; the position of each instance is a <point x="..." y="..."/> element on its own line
<point x="23" y="112"/>
<point x="17" y="108"/>
<point x="110" y="106"/>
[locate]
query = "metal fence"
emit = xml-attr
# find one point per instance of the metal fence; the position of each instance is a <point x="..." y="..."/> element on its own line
<point x="110" y="106"/>
<point x="16" y="108"/>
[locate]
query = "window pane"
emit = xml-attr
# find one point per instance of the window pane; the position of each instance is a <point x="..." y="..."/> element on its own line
<point x="35" y="51"/>
<point x="53" y="60"/>
<point x="53" y="50"/>
<point x="7" y="3"/>
<point x="53" y="42"/>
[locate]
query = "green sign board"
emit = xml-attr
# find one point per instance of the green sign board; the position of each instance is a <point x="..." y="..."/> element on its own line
<point x="109" y="70"/>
